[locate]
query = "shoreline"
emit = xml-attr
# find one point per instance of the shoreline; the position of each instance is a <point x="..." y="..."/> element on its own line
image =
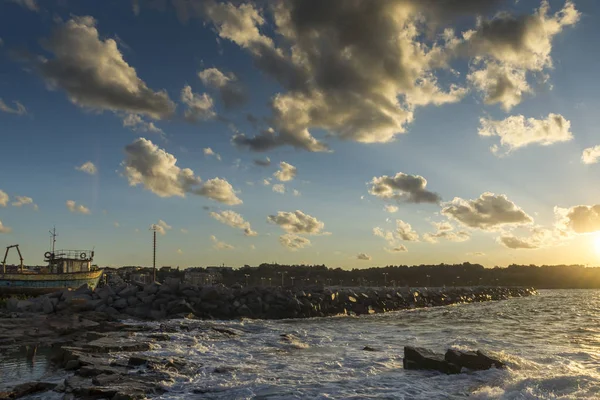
<point x="84" y="341"/>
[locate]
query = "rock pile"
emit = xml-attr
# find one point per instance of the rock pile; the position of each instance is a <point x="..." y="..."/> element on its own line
<point x="453" y="362"/>
<point x="175" y="300"/>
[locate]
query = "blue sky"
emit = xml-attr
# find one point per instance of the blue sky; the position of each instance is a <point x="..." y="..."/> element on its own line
<point x="369" y="105"/>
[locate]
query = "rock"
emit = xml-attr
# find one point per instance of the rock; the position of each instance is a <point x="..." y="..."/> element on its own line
<point x="223" y="369"/>
<point x="128" y="291"/>
<point x="160" y="337"/>
<point x="47" y="306"/>
<point x="72" y="365"/>
<point x="226" y="331"/>
<point x="105" y="379"/>
<point x="133" y="301"/>
<point x="28" y="388"/>
<point x="476" y="361"/>
<point x="420" y="358"/>
<point x="152" y="288"/>
<point x="120" y="304"/>
<point x="111" y="344"/>
<point x="369" y="348"/>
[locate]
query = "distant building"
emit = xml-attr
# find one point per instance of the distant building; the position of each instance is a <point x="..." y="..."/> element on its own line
<point x="141" y="277"/>
<point x="219" y="269"/>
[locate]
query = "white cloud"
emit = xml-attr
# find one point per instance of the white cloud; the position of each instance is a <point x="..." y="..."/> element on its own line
<point x="444" y="230"/>
<point x="387" y="235"/>
<point x="87" y="167"/>
<point x="297" y="222"/>
<point x="77" y="208"/>
<point x="296" y="192"/>
<point x="179" y="251"/>
<point x="235" y="220"/>
<point x="579" y="219"/>
<point x="507" y="48"/>
<point x="363" y="256"/>
<point x="488" y="212"/>
<point x="4" y="199"/>
<point x="405" y="232"/>
<point x="279" y="188"/>
<point x="390" y="208"/>
<point x="266" y="182"/>
<point x="286" y="172"/>
<point x="516" y="131"/>
<point x="19" y="108"/>
<point x="539" y="237"/>
<point x="403" y="187"/>
<point x="396" y="249"/>
<point x="4" y="228"/>
<point x="136" y="123"/>
<point x="184" y="231"/>
<point x="220" y="245"/>
<point x="161" y="227"/>
<point x="293" y="242"/>
<point x="209" y="152"/>
<point x="591" y="155"/>
<point x="94" y="74"/>
<point x="200" y="106"/>
<point x="31" y="5"/>
<point x="24" y="200"/>
<point x="157" y="171"/>
<point x="231" y="92"/>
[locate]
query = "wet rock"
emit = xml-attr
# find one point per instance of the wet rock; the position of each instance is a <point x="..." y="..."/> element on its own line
<point x="421" y="358"/>
<point x="227" y="331"/>
<point x="112" y="344"/>
<point x="223" y="369"/>
<point x="160" y="337"/>
<point x="369" y="348"/>
<point x="476" y="361"/>
<point x="28" y="388"/>
<point x="72" y="365"/>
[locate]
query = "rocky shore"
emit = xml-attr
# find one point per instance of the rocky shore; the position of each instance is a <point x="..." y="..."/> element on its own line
<point x="175" y="300"/>
<point x="104" y="358"/>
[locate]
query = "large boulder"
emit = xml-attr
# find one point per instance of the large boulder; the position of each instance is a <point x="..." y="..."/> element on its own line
<point x="476" y="361"/>
<point x="420" y="358"/>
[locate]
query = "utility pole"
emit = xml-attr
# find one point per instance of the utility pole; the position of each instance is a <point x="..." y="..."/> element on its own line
<point x="154" y="228"/>
<point x="54" y="235"/>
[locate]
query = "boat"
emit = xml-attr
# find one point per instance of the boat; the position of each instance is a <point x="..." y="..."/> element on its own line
<point x="66" y="269"/>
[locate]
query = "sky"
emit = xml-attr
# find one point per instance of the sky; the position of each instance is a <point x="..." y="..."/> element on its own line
<point x="352" y="134"/>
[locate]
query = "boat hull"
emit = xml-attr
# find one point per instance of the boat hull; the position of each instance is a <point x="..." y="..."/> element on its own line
<point x="36" y="284"/>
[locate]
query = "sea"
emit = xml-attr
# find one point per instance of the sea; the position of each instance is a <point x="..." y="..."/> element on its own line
<point x="550" y="343"/>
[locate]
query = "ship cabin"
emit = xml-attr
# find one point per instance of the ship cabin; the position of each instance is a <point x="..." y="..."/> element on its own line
<point x="69" y="261"/>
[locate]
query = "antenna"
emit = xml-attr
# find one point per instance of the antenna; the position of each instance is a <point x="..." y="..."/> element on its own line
<point x="154" y="228"/>
<point x="54" y="235"/>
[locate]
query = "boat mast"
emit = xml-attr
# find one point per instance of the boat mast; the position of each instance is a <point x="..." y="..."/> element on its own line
<point x="54" y="235"/>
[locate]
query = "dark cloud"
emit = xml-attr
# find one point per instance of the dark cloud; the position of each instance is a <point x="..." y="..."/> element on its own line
<point x="231" y="91"/>
<point x="403" y="187"/>
<point x="263" y="163"/>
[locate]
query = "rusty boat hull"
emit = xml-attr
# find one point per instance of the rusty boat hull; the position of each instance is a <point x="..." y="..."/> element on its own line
<point x="42" y="283"/>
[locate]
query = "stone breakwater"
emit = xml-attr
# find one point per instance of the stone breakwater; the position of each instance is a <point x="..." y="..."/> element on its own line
<point x="176" y="300"/>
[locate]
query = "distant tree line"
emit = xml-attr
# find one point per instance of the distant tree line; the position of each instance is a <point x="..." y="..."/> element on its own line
<point x="465" y="274"/>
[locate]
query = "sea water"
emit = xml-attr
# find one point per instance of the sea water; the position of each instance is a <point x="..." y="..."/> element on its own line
<point x="550" y="343"/>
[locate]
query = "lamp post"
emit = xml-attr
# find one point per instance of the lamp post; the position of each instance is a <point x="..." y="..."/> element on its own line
<point x="262" y="281"/>
<point x="428" y="280"/>
<point x="385" y="274"/>
<point x="269" y="281"/>
<point x="247" y="276"/>
<point x="282" y="273"/>
<point x="292" y="278"/>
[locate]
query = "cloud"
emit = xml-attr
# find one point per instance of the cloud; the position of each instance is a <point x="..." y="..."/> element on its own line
<point x="179" y="251"/>
<point x="157" y="171"/>
<point x="200" y="106"/>
<point x="235" y="220"/>
<point x="94" y="74"/>
<point x="31" y="5"/>
<point x="516" y="131"/>
<point x="279" y="188"/>
<point x="77" y="208"/>
<point x="19" y="108"/>
<point x="355" y="69"/>
<point x="444" y="230"/>
<point x="4" y="228"/>
<point x="363" y="256"/>
<point x="488" y="212"/>
<point x="137" y="124"/>
<point x="24" y="200"/>
<point x="231" y="92"/>
<point x="539" y="237"/>
<point x="161" y="227"/>
<point x="297" y="222"/>
<point x="266" y="182"/>
<point x="579" y="219"/>
<point x="507" y="48"/>
<point x="591" y="155"/>
<point x="263" y="163"/>
<point x="405" y="232"/>
<point x="286" y="172"/>
<point x="476" y="254"/>
<point x="403" y="187"/>
<point x="293" y="242"/>
<point x="296" y="192"/>
<point x="396" y="249"/>
<point x="390" y="208"/>
<point x="116" y="224"/>
<point x="387" y="235"/>
<point x="184" y="231"/>
<point x="209" y="152"/>
<point x="220" y="245"/>
<point x="88" y="167"/>
<point x="4" y="199"/>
